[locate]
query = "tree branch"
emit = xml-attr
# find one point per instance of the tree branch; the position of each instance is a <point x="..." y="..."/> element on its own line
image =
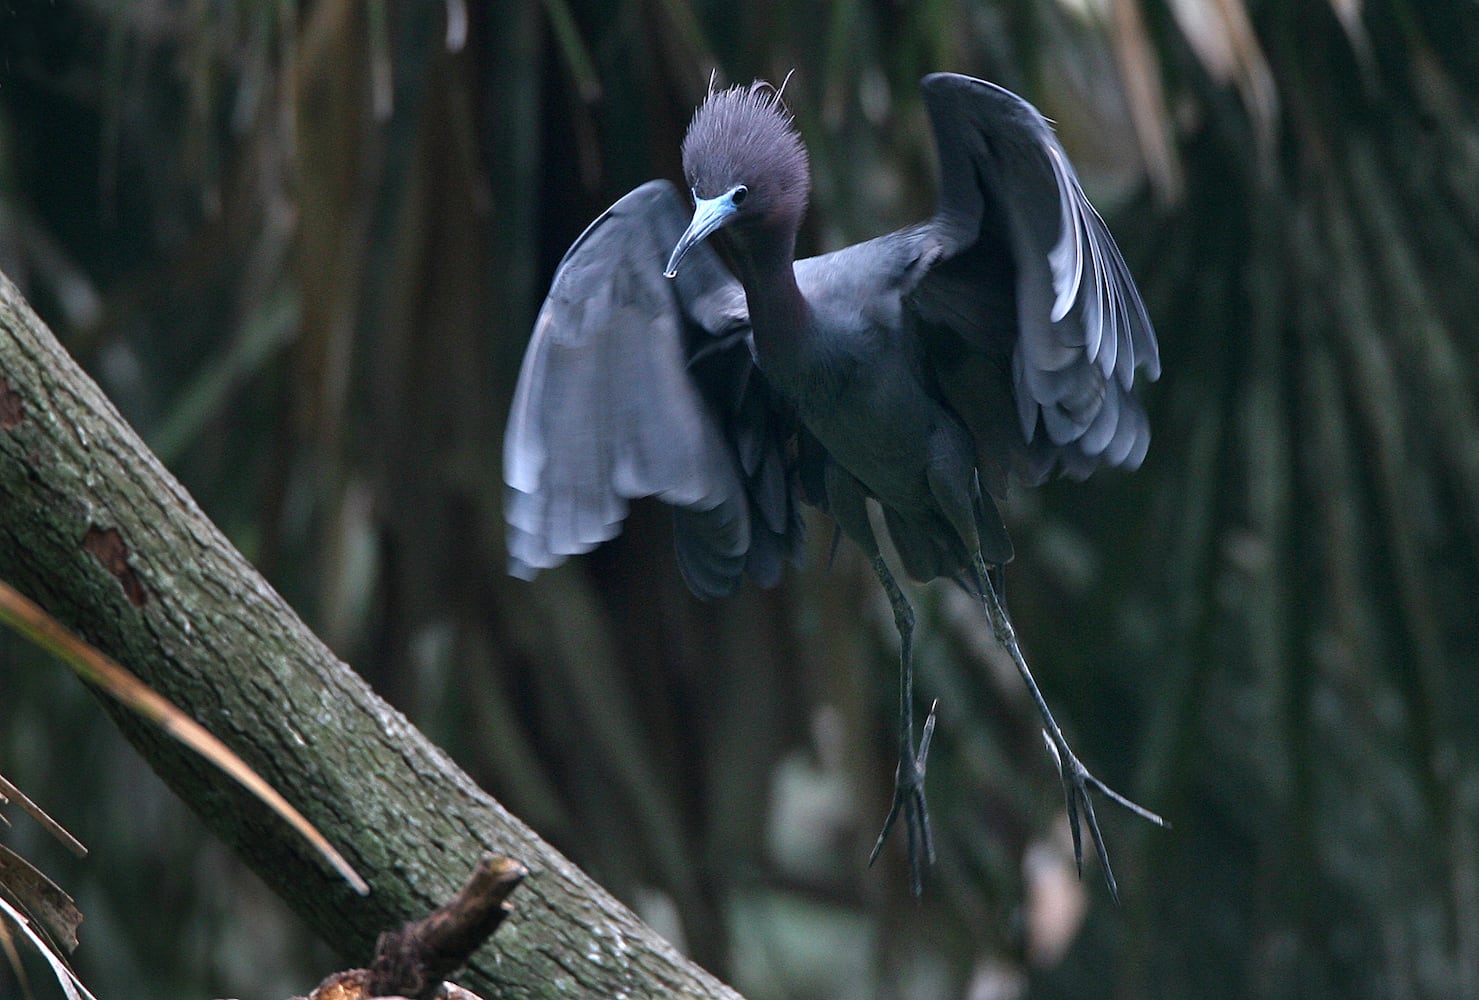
<point x="95" y="530"/>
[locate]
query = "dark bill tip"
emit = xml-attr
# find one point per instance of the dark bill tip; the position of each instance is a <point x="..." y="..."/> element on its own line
<point x="709" y="214"/>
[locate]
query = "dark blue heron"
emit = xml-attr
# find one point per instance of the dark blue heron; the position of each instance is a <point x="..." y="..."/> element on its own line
<point x="925" y="370"/>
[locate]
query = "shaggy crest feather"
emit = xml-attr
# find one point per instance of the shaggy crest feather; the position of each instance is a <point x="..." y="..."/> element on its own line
<point x="745" y="135"/>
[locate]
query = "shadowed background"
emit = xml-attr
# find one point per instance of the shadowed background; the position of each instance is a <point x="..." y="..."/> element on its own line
<point x="301" y="246"/>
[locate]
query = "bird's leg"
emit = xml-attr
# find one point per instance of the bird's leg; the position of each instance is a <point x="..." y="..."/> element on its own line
<point x="909" y="778"/>
<point x="1077" y="781"/>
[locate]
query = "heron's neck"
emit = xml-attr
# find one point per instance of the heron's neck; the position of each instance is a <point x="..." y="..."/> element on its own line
<point x="779" y="314"/>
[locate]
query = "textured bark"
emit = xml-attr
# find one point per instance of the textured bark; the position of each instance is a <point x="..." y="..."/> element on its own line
<point x="96" y="530"/>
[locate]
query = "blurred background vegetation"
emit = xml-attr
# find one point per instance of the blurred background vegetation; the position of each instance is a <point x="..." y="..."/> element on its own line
<point x="301" y="246"/>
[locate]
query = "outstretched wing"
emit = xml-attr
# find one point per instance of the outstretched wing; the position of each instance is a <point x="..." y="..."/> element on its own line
<point x="637" y="385"/>
<point x="1027" y="280"/>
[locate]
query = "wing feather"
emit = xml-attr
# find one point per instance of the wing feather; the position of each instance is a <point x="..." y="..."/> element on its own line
<point x="1080" y="330"/>
<point x="622" y="395"/>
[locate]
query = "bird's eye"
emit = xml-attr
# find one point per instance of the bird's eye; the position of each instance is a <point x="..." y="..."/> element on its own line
<point x="737" y="196"/>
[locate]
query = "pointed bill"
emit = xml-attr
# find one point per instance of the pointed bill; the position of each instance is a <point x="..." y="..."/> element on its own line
<point x="709" y="214"/>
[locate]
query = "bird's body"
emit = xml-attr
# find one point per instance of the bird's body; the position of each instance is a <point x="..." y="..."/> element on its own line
<point x="858" y="362"/>
<point x="853" y="362"/>
<point x="924" y="369"/>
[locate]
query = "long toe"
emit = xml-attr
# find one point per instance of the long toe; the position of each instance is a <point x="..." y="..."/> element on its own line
<point x="909" y="802"/>
<point x="1077" y="782"/>
<point x="921" y="841"/>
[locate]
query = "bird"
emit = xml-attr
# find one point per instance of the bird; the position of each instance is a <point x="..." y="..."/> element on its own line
<point x="926" y="371"/>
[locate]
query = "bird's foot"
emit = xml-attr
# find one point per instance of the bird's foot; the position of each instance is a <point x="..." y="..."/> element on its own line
<point x="909" y="800"/>
<point x="1077" y="781"/>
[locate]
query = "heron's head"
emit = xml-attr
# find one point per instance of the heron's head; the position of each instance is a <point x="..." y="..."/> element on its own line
<point x="745" y="165"/>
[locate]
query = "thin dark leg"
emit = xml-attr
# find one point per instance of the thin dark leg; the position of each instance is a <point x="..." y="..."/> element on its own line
<point x="909" y="778"/>
<point x="1076" y="778"/>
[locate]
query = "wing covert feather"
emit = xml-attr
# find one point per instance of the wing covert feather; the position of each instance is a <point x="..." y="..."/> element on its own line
<point x="607" y="408"/>
<point x="1007" y="189"/>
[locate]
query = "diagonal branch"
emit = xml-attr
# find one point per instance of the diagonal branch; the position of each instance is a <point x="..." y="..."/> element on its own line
<point x="98" y="532"/>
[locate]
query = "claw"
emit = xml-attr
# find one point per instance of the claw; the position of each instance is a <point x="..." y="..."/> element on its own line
<point x="888" y="825"/>
<point x="909" y="799"/>
<point x="1077" y="780"/>
<point x="929" y="731"/>
<point x="1075" y="777"/>
<point x="909" y="777"/>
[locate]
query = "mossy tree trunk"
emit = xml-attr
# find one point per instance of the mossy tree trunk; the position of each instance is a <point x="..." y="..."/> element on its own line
<point x="96" y="530"/>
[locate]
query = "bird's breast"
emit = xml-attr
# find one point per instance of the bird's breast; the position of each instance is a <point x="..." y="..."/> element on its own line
<point x="869" y="409"/>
